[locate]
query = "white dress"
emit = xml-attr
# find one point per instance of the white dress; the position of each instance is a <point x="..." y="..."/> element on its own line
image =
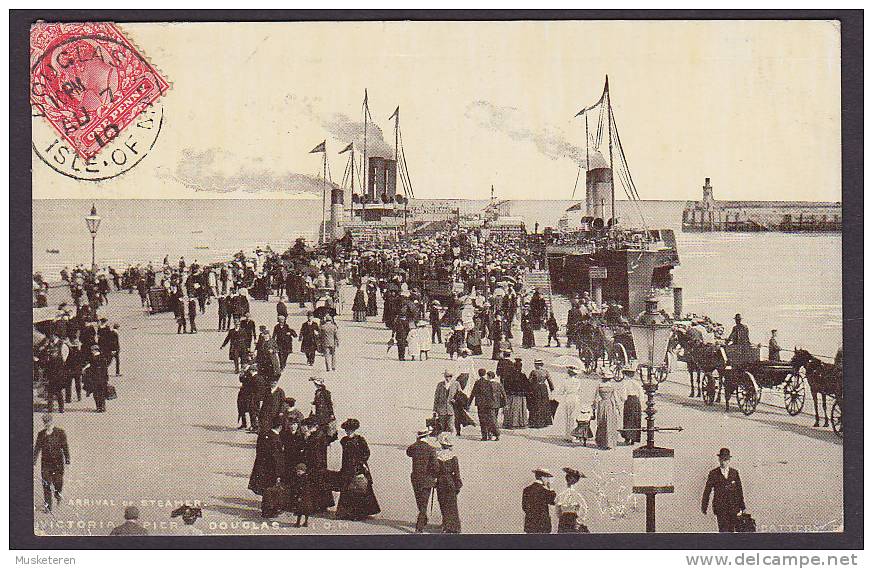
<point x="414" y="344"/>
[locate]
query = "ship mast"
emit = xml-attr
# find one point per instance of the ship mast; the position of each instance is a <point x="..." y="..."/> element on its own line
<point x="366" y="188"/>
<point x="611" y="169"/>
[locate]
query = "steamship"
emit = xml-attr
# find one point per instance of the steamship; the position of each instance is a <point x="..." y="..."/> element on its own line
<point x="592" y="249"/>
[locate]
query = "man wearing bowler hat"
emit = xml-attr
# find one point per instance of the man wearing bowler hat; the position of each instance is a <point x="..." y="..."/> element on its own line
<point x="535" y="502"/>
<point x="739" y="333"/>
<point x="727" y="501"/>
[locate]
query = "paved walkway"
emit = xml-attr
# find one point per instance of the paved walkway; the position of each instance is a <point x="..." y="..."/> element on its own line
<point x="171" y="436"/>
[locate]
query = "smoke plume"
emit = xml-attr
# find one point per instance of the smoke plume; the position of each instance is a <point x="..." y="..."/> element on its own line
<point x="211" y="171"/>
<point x="549" y="140"/>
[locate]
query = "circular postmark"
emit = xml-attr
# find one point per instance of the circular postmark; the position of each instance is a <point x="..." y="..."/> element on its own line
<point x="94" y="98"/>
<point x="119" y="156"/>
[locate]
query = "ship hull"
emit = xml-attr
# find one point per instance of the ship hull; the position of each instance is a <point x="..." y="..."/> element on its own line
<point x="631" y="274"/>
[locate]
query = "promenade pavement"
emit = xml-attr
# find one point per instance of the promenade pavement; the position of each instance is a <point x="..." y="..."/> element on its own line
<point x="171" y="437"/>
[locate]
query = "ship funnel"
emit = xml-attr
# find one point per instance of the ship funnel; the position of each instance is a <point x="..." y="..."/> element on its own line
<point x="597" y="224"/>
<point x="598" y="186"/>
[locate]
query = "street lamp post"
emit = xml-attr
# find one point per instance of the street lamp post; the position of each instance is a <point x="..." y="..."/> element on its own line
<point x="653" y="466"/>
<point x="93" y="223"/>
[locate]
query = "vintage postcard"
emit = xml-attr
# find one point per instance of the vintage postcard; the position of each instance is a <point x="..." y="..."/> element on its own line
<point x="388" y="278"/>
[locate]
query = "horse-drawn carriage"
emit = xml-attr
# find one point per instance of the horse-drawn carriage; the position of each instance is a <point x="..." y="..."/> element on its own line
<point x="604" y="344"/>
<point x="748" y="375"/>
<point x="739" y="369"/>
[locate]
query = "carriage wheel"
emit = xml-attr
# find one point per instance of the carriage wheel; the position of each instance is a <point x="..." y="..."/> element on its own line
<point x="837" y="417"/>
<point x="747" y="397"/>
<point x="795" y="394"/>
<point x="619" y="357"/>
<point x="797" y="378"/>
<point x="669" y="362"/>
<point x="589" y="362"/>
<point x="711" y="387"/>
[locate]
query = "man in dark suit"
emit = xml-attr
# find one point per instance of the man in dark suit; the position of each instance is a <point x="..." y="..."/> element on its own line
<point x="233" y="339"/>
<point x="423" y="457"/>
<point x="223" y="312"/>
<point x="309" y="338"/>
<point x="727" y="501"/>
<point x="535" y="502"/>
<point x="488" y="403"/>
<point x="247" y="332"/>
<point x="444" y="395"/>
<point x="51" y="442"/>
<point x="267" y="355"/>
<point x="110" y="344"/>
<point x="96" y="378"/>
<point x="284" y="336"/>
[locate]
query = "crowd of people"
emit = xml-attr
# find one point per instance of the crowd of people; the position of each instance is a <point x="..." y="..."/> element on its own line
<point x="451" y="289"/>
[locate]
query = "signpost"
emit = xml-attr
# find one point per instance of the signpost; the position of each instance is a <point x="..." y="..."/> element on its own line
<point x="596" y="276"/>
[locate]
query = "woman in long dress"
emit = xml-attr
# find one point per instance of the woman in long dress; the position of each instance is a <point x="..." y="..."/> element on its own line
<point x="539" y="400"/>
<point x="315" y="443"/>
<point x="269" y="464"/>
<point x="608" y="414"/>
<point x="357" y="499"/>
<point x="372" y="309"/>
<point x="527" y="331"/>
<point x="632" y="410"/>
<point x="517" y="388"/>
<point x="359" y="306"/>
<point x="447" y="473"/>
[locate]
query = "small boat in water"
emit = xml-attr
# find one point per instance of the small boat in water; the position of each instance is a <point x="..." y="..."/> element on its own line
<point x="52" y="251"/>
<point x="201" y="246"/>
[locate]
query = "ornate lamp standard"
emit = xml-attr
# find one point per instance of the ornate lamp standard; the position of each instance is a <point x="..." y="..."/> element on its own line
<point x="653" y="466"/>
<point x="93" y="223"/>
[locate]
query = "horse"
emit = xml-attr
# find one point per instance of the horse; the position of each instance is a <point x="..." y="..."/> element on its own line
<point x="597" y="342"/>
<point x="823" y="378"/>
<point x="679" y="341"/>
<point x="703" y="360"/>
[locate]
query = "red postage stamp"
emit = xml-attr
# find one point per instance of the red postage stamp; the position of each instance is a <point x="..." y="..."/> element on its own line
<point x="89" y="82"/>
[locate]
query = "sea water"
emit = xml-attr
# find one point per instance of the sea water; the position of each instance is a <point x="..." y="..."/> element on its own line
<point x="789" y="282"/>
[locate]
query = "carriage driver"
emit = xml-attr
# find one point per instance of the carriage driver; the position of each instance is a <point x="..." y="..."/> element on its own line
<point x="739" y="333"/>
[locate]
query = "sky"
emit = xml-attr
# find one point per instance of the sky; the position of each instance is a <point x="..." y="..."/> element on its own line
<point x="755" y="106"/>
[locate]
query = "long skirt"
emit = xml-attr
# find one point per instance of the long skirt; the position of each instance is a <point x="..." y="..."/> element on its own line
<point x="527" y="339"/>
<point x="357" y="505"/>
<point x="539" y="407"/>
<point x="360" y="315"/>
<point x="515" y="414"/>
<point x="632" y="419"/>
<point x="447" y="497"/>
<point x="607" y="424"/>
